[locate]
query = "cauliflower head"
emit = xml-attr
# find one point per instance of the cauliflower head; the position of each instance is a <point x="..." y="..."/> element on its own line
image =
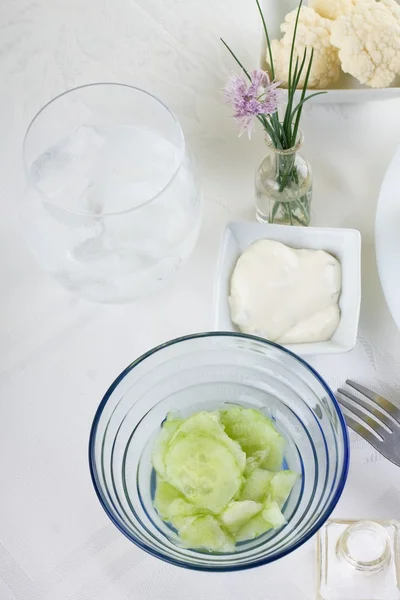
<point x="313" y="31"/>
<point x="332" y="9"/>
<point x="368" y="40"/>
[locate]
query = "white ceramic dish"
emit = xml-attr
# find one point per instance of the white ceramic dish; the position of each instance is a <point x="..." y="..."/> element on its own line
<point x="344" y="244"/>
<point x="347" y="90"/>
<point x="387" y="238"/>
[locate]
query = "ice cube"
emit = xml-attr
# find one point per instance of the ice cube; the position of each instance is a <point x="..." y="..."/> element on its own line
<point x="65" y="172"/>
<point x="64" y="188"/>
<point x="84" y="142"/>
<point x="141" y="230"/>
<point x="114" y="196"/>
<point x="135" y="166"/>
<point x="77" y="153"/>
<point x="92" y="249"/>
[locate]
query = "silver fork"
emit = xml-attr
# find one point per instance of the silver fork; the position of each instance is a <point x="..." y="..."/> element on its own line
<point x="384" y="420"/>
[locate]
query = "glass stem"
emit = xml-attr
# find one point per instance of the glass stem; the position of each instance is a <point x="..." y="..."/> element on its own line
<point x="285" y="173"/>
<point x="285" y="168"/>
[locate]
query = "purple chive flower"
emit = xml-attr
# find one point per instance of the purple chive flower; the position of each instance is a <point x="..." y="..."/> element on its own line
<point x="259" y="96"/>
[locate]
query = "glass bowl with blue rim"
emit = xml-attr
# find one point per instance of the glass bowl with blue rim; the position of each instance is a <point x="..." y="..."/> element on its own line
<point x="206" y="372"/>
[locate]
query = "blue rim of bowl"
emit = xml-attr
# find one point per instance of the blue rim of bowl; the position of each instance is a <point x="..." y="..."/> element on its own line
<point x="216" y="568"/>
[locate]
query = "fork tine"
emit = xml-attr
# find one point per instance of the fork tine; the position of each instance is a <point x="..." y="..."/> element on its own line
<point x="363" y="432"/>
<point x="388" y="406"/>
<point x="381" y="416"/>
<point x="362" y="416"/>
<point x="371" y="439"/>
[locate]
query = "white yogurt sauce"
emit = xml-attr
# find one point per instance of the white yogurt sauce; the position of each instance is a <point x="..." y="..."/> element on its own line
<point x="286" y="295"/>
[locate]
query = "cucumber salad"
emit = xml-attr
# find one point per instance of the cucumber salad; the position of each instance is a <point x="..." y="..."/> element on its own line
<point x="219" y="477"/>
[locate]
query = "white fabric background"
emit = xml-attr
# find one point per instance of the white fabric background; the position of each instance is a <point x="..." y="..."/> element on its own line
<point x="58" y="354"/>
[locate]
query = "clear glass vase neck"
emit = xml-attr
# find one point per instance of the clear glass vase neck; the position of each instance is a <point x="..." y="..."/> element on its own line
<point x="287" y="151"/>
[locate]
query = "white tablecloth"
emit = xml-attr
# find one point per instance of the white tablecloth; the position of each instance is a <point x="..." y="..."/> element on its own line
<point x="58" y="354"/>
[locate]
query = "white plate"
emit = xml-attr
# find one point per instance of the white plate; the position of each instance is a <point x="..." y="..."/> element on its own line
<point x="345" y="244"/>
<point x="347" y="89"/>
<point x="387" y="237"/>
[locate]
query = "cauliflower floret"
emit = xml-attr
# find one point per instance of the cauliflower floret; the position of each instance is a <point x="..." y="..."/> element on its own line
<point x="313" y="31"/>
<point x="332" y="9"/>
<point x="368" y="39"/>
<point x="394" y="8"/>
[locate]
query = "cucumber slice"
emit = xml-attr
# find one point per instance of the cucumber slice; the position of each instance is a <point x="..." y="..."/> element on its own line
<point x="270" y="518"/>
<point x="272" y="515"/>
<point x="161" y="442"/>
<point x="238" y="513"/>
<point x="182" y="508"/>
<point x="173" y="418"/>
<point x="209" y="424"/>
<point x="206" y="533"/>
<point x="171" y="505"/>
<point x="181" y="522"/>
<point x="255" y="433"/>
<point x="253" y="529"/>
<point x="203" y="469"/>
<point x="281" y="485"/>
<point x="257" y="485"/>
<point x="164" y="497"/>
<point x="255" y="462"/>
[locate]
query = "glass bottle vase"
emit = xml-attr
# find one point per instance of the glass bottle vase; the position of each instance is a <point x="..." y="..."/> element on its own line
<point x="284" y="186"/>
<point x="358" y="560"/>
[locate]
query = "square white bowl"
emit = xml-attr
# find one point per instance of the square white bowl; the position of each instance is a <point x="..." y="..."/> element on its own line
<point x="344" y="244"/>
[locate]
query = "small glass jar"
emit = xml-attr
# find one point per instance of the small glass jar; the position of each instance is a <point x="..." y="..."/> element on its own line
<point x="358" y="560"/>
<point x="284" y="186"/>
